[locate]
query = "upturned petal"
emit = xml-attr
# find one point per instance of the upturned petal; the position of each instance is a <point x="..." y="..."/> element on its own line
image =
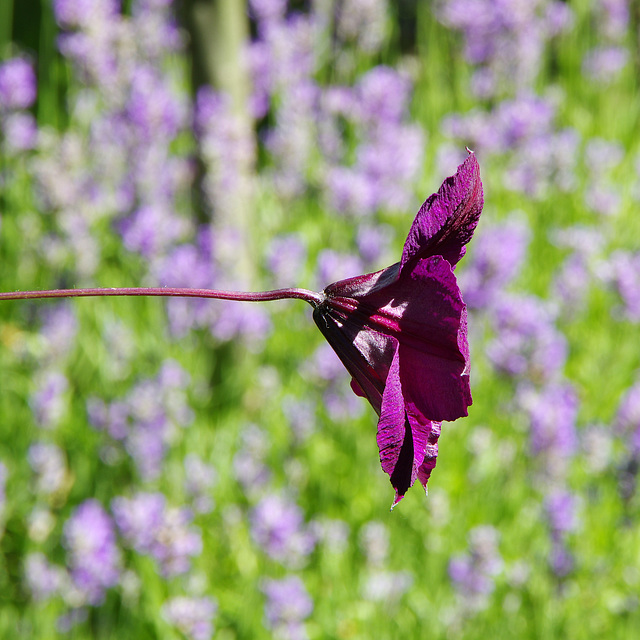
<point x="447" y="219"/>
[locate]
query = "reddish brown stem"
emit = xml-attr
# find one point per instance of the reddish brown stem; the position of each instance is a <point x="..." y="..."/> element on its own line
<point x="313" y="298"/>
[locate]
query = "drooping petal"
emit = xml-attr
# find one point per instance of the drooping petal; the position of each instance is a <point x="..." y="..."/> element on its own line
<point x="403" y="436"/>
<point x="447" y="219"/>
<point x="431" y="454"/>
<point x="395" y="440"/>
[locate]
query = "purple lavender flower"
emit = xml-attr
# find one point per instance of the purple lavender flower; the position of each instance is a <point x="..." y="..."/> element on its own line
<point x="112" y="418"/>
<point x="543" y="161"/>
<point x="123" y="167"/>
<point x="225" y="149"/>
<point x="156" y="28"/>
<point x="544" y="157"/>
<point x="291" y="141"/>
<point x="333" y="534"/>
<point x="621" y="271"/>
<point x="350" y="191"/>
<point x="93" y="555"/>
<point x="615" y="15"/>
<point x="286" y="256"/>
<point x="20" y="132"/>
<point x="363" y="23"/>
<point x="571" y="284"/>
<point x="332" y="265"/>
<point x="58" y="331"/>
<point x="498" y="254"/>
<point x="152" y="108"/>
<point x="151" y="527"/>
<point x="48" y="402"/>
<point x="288" y="605"/>
<point x="17" y="84"/>
<point x="268" y="11"/>
<point x="602" y="155"/>
<point x="553" y="412"/>
<point x="48" y="464"/>
<point x="527" y="344"/>
<point x="560" y="559"/>
<point x="387" y="586"/>
<point x="373" y="242"/>
<point x="151" y="230"/>
<point x="199" y="480"/>
<point x="93" y="32"/>
<point x="248" y="464"/>
<point x="301" y="416"/>
<point x="474" y="573"/>
<point x="604" y="64"/>
<point x="204" y="265"/>
<point x="43" y="579"/>
<point x="83" y="13"/>
<point x="603" y="199"/>
<point x="390" y="152"/>
<point x="248" y="322"/>
<point x="188" y="265"/>
<point x="374" y="541"/>
<point x="382" y="96"/>
<point x="192" y="616"/>
<point x="506" y="38"/>
<point x="597" y="445"/>
<point x="561" y="511"/>
<point x="278" y="527"/>
<point x="627" y="420"/>
<point x="559" y="17"/>
<point x="148" y="418"/>
<point x="585" y="239"/>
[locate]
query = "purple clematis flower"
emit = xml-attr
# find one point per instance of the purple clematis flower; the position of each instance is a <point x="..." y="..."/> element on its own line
<point x="402" y="332"/>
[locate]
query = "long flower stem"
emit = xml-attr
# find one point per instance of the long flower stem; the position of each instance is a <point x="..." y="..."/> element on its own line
<point x="313" y="298"/>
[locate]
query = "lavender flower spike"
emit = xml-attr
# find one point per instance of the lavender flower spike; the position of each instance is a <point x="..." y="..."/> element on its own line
<point x="402" y="332"/>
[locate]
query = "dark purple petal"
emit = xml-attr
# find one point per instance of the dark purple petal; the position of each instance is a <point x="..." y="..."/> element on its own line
<point x="436" y="379"/>
<point x="424" y="311"/>
<point x="394" y="438"/>
<point x="447" y="219"/>
<point x="431" y="454"/>
<point x="360" y="286"/>
<point x="365" y="353"/>
<point x="403" y="435"/>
